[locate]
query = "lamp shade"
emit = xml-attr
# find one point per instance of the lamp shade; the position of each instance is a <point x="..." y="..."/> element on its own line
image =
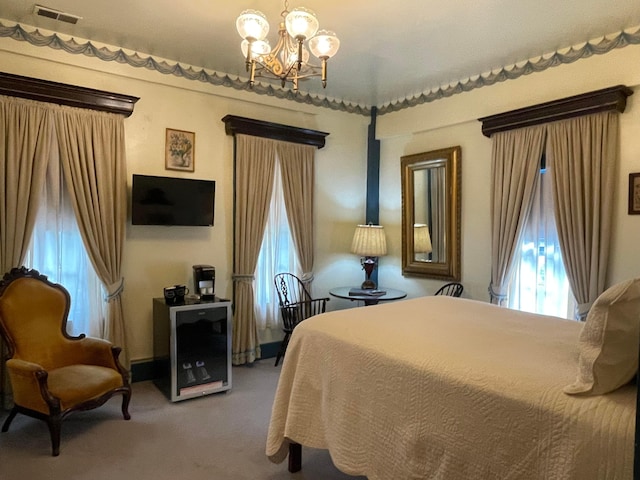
<point x="325" y="44"/>
<point x="252" y="24"/>
<point x="301" y="23"/>
<point x="421" y="238"/>
<point x="369" y="241"/>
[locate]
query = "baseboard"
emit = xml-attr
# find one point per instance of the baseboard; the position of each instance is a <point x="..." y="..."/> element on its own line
<point x="270" y="350"/>
<point x="148" y="369"/>
<point x="144" y="370"/>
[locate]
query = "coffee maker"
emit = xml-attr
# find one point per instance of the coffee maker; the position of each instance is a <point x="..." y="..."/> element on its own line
<point x="204" y="280"/>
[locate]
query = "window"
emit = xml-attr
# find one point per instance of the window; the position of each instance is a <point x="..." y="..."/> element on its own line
<point x="277" y="254"/>
<point x="57" y="251"/>
<point x="539" y="283"/>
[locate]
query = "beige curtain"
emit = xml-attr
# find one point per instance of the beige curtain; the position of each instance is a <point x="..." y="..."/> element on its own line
<point x="92" y="154"/>
<point x="297" y="169"/>
<point x="584" y="158"/>
<point x="25" y="139"/>
<point x="515" y="165"/>
<point x="437" y="197"/>
<point x="26" y="129"/>
<point x="254" y="172"/>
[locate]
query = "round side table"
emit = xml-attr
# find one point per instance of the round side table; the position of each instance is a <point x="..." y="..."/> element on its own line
<point x="390" y="294"/>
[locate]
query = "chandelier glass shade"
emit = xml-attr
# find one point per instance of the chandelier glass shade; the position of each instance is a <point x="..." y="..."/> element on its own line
<point x="288" y="60"/>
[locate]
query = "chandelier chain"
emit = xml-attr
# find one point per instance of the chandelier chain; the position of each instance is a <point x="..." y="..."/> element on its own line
<point x="285" y="12"/>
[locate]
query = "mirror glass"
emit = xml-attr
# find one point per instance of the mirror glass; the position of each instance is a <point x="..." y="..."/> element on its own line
<point x="431" y="214"/>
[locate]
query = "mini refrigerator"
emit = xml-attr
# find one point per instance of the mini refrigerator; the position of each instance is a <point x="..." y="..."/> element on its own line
<point x="192" y="348"/>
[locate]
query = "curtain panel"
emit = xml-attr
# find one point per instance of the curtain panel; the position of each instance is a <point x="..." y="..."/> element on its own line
<point x="92" y="153"/>
<point x="255" y="160"/>
<point x="515" y="165"/>
<point x="26" y="132"/>
<point x="297" y="169"/>
<point x="584" y="159"/>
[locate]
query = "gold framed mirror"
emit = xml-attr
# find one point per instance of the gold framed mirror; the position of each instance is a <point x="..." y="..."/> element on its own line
<point x="431" y="214"/>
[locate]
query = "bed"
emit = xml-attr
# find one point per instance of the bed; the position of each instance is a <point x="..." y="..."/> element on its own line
<point x="450" y="388"/>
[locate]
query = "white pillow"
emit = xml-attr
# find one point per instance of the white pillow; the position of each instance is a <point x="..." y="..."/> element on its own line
<point x="608" y="342"/>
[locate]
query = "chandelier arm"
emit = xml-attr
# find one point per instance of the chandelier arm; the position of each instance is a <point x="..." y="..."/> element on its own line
<point x="287" y="74"/>
<point x="249" y="59"/>
<point x="299" y="40"/>
<point x="252" y="78"/>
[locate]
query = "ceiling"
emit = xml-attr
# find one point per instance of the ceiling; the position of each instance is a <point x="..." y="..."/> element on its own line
<point x="389" y="50"/>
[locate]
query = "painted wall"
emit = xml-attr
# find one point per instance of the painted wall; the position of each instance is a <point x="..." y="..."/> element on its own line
<point x="453" y="121"/>
<point x="159" y="256"/>
<point x="155" y="256"/>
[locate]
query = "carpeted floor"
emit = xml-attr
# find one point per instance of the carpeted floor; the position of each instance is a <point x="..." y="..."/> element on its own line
<point x="216" y="437"/>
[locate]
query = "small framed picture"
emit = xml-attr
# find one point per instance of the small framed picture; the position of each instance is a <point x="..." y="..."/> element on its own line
<point x="634" y="194"/>
<point x="180" y="150"/>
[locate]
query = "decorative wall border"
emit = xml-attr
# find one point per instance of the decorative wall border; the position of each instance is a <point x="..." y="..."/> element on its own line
<point x="592" y="47"/>
<point x="618" y="40"/>
<point x="18" y="32"/>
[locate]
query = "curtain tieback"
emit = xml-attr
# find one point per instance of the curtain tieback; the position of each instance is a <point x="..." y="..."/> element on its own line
<point x="583" y="310"/>
<point x="243" y="277"/>
<point x="115" y="289"/>
<point x="496" y="295"/>
<point x="307" y="277"/>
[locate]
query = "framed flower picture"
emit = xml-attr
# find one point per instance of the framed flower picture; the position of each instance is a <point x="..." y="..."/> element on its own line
<point x="634" y="194"/>
<point x="180" y="150"/>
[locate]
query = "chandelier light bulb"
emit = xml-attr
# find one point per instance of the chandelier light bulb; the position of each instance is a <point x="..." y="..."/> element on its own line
<point x="301" y="23"/>
<point x="325" y="44"/>
<point x="252" y="25"/>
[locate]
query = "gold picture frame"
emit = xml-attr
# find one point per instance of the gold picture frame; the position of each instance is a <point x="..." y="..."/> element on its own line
<point x="634" y="194"/>
<point x="180" y="150"/>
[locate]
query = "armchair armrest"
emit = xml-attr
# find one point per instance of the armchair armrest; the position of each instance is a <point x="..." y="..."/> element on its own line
<point x="92" y="351"/>
<point x="23" y="368"/>
<point x="27" y="379"/>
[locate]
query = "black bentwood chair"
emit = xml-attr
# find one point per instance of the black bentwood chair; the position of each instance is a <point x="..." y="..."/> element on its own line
<point x="451" y="289"/>
<point x="296" y="305"/>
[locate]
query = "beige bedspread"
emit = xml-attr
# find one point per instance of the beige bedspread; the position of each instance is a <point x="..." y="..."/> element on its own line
<point x="447" y="388"/>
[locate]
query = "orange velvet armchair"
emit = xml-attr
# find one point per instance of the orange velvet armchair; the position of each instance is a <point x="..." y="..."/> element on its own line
<point x="51" y="373"/>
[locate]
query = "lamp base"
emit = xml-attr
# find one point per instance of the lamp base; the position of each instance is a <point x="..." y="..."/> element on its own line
<point x="368" y="264"/>
<point x="368" y="285"/>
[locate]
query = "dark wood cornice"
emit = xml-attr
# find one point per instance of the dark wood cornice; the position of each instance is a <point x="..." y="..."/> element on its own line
<point x="612" y="98"/>
<point x="274" y="131"/>
<point x="63" y="94"/>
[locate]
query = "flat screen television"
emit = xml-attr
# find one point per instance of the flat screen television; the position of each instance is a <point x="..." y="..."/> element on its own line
<point x="172" y="201"/>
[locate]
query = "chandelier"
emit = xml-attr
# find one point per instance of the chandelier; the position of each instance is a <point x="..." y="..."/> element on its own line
<point x="288" y="61"/>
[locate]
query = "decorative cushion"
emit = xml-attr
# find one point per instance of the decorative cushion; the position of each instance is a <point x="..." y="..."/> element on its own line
<point x="608" y="342"/>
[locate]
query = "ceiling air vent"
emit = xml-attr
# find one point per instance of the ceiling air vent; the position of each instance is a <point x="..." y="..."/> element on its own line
<point x="56" y="14"/>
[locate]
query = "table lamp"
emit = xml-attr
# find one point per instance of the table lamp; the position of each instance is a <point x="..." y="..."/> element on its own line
<point x="370" y="243"/>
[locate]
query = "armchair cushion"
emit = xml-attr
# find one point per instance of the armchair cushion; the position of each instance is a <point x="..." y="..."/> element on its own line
<point x="80" y="383"/>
